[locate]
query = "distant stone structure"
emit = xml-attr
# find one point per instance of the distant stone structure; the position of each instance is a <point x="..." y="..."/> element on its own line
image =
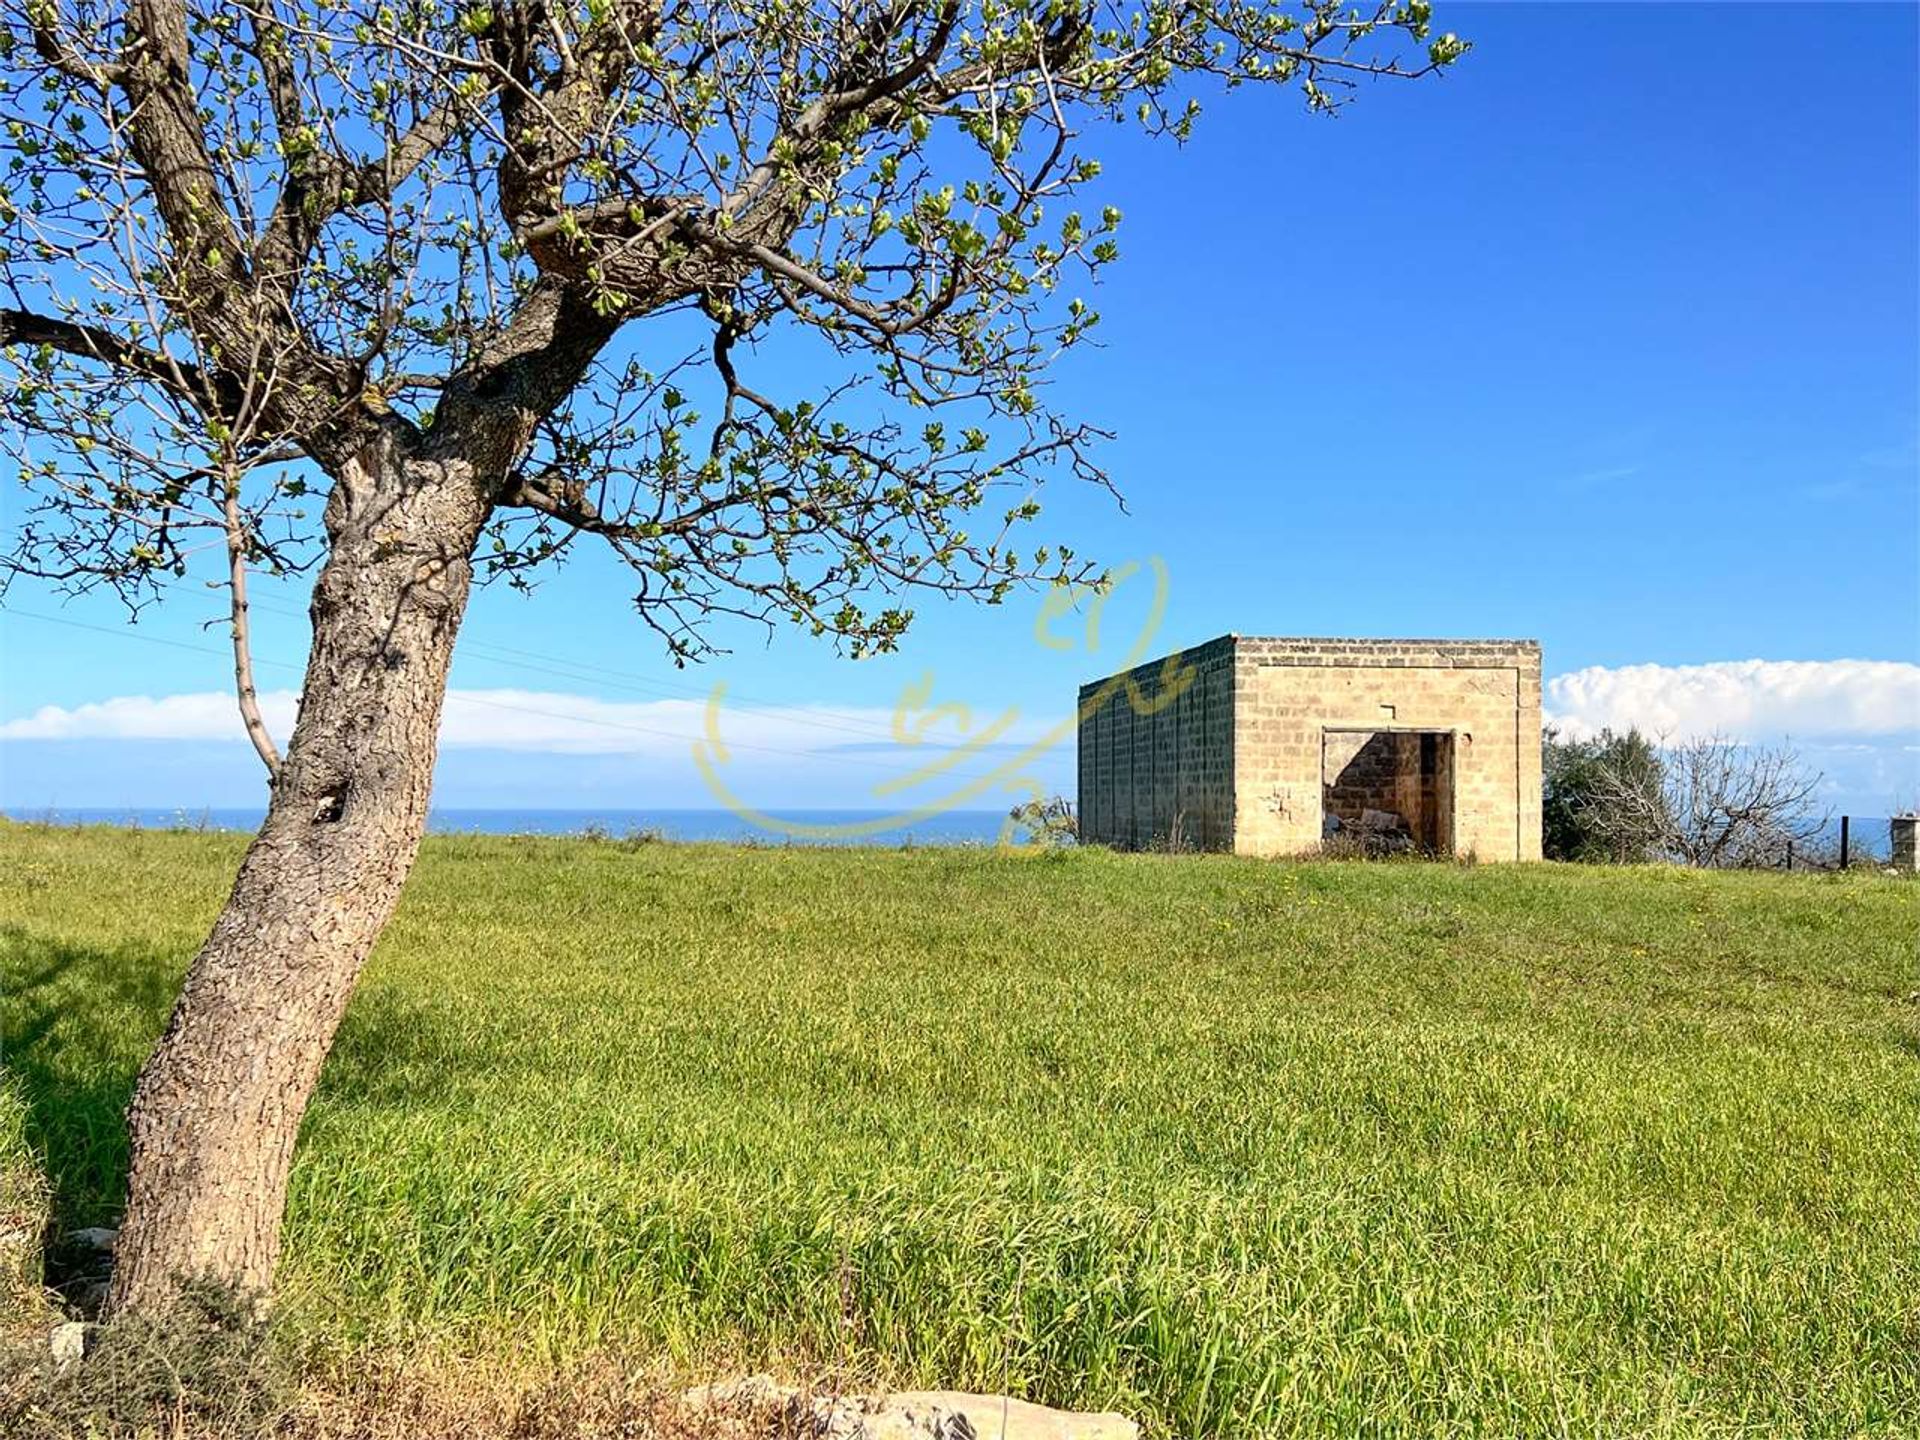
<point x="1903" y="831"/>
<point x="1269" y="746"/>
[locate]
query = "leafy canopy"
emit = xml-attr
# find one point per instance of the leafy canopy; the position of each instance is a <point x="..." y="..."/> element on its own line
<point x="250" y="246"/>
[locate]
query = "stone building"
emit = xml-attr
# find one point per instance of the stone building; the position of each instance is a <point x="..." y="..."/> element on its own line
<point x="1267" y="746"/>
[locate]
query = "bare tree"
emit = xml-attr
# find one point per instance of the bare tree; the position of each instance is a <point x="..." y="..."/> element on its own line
<point x="1735" y="806"/>
<point x="1709" y="802"/>
<point x="430" y="266"/>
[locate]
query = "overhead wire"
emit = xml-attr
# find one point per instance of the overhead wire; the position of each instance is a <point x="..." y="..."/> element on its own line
<point x="467" y="697"/>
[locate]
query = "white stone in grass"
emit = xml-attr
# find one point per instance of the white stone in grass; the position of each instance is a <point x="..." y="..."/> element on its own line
<point x="955" y="1415"/>
<point x="69" y="1344"/>
<point x="916" y="1414"/>
<point x="95" y="1237"/>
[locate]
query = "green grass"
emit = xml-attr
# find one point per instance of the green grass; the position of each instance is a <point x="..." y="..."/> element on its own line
<point x="1241" y="1148"/>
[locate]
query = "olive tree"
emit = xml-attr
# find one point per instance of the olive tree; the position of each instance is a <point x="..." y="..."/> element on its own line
<point x="431" y="269"/>
<point x="1603" y="798"/>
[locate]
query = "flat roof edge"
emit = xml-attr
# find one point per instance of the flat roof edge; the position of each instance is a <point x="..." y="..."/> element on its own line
<point x="1336" y="647"/>
<point x="1435" y="641"/>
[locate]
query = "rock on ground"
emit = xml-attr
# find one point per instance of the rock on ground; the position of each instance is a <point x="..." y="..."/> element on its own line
<point x="68" y="1344"/>
<point x="912" y="1414"/>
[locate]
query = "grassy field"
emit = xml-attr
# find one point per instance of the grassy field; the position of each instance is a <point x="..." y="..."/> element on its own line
<point x="1240" y="1148"/>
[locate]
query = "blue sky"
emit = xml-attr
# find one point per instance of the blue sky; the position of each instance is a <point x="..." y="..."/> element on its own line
<point x="1610" y="337"/>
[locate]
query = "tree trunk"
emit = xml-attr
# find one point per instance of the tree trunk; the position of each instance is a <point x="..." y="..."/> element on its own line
<point x="218" y="1106"/>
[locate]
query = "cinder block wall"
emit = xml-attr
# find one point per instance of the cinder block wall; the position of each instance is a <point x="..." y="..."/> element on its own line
<point x="1288" y="692"/>
<point x="1156" y="754"/>
<point x="1372" y="770"/>
<point x="1232" y="761"/>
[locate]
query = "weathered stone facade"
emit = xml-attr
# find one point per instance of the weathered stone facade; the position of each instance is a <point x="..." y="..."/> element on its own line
<point x="1247" y="744"/>
<point x="1156" y="760"/>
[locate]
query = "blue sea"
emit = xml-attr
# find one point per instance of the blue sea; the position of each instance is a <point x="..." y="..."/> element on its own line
<point x="808" y="827"/>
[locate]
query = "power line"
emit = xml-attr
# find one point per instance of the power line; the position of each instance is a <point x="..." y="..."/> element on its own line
<point x="535" y="663"/>
<point x="635" y="685"/>
<point x="470" y="699"/>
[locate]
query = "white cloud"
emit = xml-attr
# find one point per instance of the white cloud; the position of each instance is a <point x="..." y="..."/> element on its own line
<point x="210" y="715"/>
<point x="1808" y="699"/>
<point x="524" y="720"/>
<point x="1741" y="698"/>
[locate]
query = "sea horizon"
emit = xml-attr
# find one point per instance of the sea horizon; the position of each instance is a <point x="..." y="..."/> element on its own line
<point x="798" y="826"/>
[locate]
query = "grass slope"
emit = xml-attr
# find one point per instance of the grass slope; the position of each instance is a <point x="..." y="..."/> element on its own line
<point x="1242" y="1148"/>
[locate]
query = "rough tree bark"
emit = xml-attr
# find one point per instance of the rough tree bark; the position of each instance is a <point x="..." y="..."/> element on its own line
<point x="537" y="190"/>
<point x="218" y="1106"/>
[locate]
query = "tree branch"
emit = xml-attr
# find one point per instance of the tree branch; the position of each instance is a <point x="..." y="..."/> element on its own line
<point x="249" y="699"/>
<point x="553" y="495"/>
<point x="43" y="22"/>
<point x="269" y="47"/>
<point x="374" y="181"/>
<point x="25" y="327"/>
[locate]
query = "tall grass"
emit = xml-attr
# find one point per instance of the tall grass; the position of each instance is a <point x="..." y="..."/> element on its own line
<point x="1241" y="1148"/>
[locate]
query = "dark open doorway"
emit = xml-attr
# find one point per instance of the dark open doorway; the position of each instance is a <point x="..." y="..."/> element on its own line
<point x="1388" y="789"/>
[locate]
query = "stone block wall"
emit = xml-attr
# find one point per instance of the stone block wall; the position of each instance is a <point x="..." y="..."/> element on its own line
<point x="1156" y="753"/>
<point x="1363" y="772"/>
<point x="1485" y="693"/>
<point x="1408" y="773"/>
<point x="1236" y="760"/>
